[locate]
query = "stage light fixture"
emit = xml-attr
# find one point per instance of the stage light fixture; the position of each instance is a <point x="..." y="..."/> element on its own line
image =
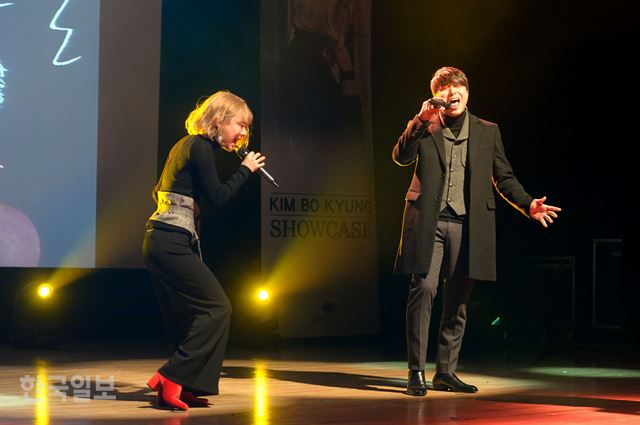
<point x="256" y="321"/>
<point x="36" y="316"/>
<point x="45" y="291"/>
<point x="263" y="295"/>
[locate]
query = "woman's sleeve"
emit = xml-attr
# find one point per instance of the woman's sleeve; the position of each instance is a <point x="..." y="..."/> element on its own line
<point x="204" y="172"/>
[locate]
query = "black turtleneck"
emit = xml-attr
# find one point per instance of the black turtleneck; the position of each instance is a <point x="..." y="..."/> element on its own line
<point x="455" y="123"/>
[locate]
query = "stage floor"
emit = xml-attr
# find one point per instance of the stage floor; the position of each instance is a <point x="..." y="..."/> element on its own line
<point x="106" y="385"/>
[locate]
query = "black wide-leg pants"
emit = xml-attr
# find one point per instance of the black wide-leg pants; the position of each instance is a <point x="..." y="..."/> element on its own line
<point x="195" y="308"/>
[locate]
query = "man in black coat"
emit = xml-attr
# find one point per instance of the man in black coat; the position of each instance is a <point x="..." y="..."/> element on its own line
<point x="449" y="220"/>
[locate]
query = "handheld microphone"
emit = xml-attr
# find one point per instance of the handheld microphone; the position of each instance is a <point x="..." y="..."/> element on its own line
<point x="438" y="103"/>
<point x="242" y="153"/>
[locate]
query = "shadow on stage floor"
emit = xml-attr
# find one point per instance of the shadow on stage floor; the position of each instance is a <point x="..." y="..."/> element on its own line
<point x="339" y="381"/>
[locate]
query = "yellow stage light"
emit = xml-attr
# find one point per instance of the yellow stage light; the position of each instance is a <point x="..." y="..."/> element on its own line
<point x="263" y="295"/>
<point x="45" y="290"/>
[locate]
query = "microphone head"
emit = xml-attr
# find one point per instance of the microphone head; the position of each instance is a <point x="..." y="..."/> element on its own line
<point x="439" y="103"/>
<point x="242" y="152"/>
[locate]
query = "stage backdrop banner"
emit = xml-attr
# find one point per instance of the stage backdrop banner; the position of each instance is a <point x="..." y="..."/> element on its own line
<point x="319" y="257"/>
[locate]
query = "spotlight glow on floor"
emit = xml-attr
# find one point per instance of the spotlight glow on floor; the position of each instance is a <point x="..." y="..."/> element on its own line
<point x="586" y="372"/>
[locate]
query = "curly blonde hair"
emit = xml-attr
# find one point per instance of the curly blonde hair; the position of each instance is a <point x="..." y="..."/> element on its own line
<point x="218" y="108"/>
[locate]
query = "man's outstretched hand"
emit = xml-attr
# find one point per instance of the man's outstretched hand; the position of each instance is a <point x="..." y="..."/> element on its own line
<point x="542" y="212"/>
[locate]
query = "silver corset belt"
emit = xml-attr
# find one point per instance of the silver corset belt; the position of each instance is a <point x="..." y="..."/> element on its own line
<point x="177" y="210"/>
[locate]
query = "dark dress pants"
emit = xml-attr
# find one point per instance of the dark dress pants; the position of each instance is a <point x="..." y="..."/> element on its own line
<point x="448" y="258"/>
<point x="195" y="308"/>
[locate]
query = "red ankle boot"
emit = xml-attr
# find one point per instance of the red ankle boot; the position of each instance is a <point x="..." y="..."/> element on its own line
<point x="168" y="391"/>
<point x="192" y="400"/>
<point x="154" y="382"/>
<point x="187" y="397"/>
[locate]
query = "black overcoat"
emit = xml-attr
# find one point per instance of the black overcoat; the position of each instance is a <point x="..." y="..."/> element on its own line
<point x="486" y="168"/>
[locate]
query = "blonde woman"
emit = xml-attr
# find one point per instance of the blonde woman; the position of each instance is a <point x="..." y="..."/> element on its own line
<point x="194" y="305"/>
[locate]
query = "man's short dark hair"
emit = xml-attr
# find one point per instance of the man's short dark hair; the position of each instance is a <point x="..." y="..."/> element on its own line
<point x="448" y="75"/>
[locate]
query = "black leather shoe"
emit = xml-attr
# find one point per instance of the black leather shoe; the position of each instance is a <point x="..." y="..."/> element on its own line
<point x="416" y="386"/>
<point x="450" y="382"/>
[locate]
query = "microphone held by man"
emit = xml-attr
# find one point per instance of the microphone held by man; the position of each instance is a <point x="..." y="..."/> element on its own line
<point x="439" y="103"/>
<point x="243" y="152"/>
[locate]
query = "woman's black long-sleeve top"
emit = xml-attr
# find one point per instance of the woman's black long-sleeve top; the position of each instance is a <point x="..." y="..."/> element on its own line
<point x="190" y="170"/>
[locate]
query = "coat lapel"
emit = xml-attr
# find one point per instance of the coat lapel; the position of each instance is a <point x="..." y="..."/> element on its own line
<point x="435" y="129"/>
<point x="473" y="144"/>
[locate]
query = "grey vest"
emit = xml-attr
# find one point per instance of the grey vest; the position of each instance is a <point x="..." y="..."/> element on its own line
<point x="456" y="160"/>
